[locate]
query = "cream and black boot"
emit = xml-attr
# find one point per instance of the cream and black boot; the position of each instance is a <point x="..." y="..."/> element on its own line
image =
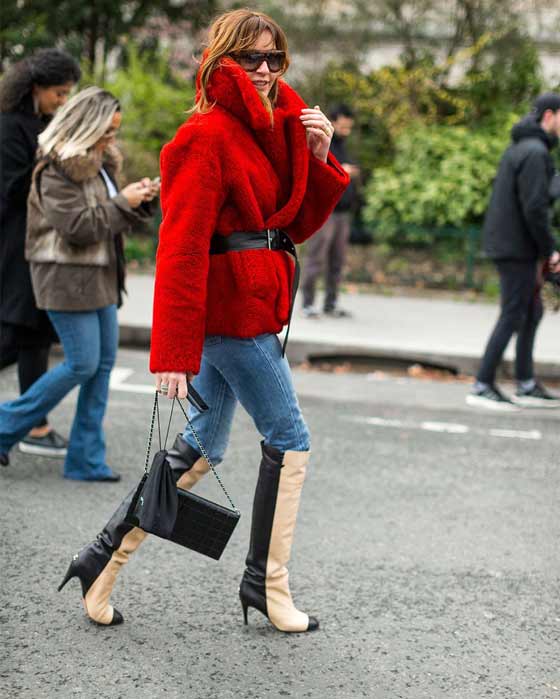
<point x="98" y="564"/>
<point x="265" y="582"/>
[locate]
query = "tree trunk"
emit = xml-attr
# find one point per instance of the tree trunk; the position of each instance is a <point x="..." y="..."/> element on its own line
<point x="92" y="37"/>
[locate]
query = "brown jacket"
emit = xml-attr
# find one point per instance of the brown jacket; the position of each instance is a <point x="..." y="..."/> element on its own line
<point x="74" y="233"/>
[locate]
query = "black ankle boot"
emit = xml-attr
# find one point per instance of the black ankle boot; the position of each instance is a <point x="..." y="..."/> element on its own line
<point x="85" y="566"/>
<point x="265" y="582"/>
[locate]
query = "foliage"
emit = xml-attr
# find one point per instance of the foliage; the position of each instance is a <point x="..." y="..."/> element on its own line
<point x="423" y="28"/>
<point x="140" y="251"/>
<point x="440" y="177"/>
<point x="433" y="148"/>
<point x="85" y="28"/>
<point x="153" y="105"/>
<point x="506" y="74"/>
<point x="23" y="28"/>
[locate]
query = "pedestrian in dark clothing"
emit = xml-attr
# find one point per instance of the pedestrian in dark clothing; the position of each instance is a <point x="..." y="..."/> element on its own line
<point x="30" y="93"/>
<point x="325" y="252"/>
<point x="518" y="238"/>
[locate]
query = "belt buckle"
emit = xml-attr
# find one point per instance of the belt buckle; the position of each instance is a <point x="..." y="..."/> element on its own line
<point x="268" y="239"/>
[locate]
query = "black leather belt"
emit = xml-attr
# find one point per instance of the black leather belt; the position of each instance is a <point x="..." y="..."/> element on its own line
<point x="268" y="239"/>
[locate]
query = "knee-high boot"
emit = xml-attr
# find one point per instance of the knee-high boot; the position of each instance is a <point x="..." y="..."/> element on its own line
<point x="265" y="582"/>
<point x="98" y="564"/>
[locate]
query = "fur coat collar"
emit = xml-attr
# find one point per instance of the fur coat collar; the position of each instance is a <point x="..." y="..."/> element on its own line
<point x="231" y="88"/>
<point x="87" y="166"/>
<point x="283" y="139"/>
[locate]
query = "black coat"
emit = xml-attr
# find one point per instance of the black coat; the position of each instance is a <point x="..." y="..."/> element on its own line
<point x="18" y="145"/>
<point x="517" y="223"/>
<point x="349" y="198"/>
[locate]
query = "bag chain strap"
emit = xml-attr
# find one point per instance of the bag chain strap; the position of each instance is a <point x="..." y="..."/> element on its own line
<point x="203" y="451"/>
<point x="155" y="410"/>
<point x="205" y="455"/>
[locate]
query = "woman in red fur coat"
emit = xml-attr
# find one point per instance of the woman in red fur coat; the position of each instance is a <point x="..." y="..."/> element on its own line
<point x="246" y="175"/>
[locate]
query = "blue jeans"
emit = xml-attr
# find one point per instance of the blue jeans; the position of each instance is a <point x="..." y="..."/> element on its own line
<point x="253" y="372"/>
<point x="90" y="342"/>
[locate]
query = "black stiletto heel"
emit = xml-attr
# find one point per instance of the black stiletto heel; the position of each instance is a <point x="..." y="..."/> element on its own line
<point x="250" y="597"/>
<point x="69" y="575"/>
<point x="73" y="572"/>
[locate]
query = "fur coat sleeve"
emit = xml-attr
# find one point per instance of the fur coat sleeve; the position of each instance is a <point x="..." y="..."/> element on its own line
<point x="192" y="195"/>
<point x="325" y="183"/>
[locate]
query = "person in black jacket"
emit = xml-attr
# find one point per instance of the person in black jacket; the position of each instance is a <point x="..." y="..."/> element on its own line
<point x="518" y="238"/>
<point x="30" y="93"/>
<point x="326" y="250"/>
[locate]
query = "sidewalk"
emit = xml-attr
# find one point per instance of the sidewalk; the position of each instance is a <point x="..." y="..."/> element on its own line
<point x="439" y="332"/>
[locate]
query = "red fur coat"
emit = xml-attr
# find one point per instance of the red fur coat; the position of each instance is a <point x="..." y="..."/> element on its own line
<point x="230" y="170"/>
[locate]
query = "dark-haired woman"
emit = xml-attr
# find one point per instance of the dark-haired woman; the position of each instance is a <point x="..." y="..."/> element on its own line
<point x="249" y="170"/>
<point x="30" y="93"/>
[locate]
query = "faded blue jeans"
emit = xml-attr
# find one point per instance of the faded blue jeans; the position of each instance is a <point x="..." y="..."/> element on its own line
<point x="90" y="340"/>
<point x="252" y="372"/>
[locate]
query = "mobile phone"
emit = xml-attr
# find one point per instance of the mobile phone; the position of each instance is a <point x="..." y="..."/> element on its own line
<point x="195" y="399"/>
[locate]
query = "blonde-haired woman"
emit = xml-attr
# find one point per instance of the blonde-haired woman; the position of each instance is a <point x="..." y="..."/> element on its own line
<point x="247" y="172"/>
<point x="76" y="219"/>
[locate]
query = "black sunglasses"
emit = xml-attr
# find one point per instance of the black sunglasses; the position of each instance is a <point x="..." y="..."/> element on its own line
<point x="251" y="60"/>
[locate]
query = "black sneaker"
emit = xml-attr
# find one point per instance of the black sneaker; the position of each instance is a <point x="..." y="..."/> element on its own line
<point x="52" y="444"/>
<point x="537" y="397"/>
<point x="337" y="313"/>
<point x="492" y="398"/>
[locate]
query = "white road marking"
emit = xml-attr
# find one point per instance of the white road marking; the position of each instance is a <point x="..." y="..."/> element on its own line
<point x="447" y="427"/>
<point x="120" y="374"/>
<point x="383" y="422"/>
<point x="450" y="427"/>
<point x="518" y="434"/>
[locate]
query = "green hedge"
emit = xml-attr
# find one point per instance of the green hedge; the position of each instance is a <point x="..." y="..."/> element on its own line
<point x="440" y="178"/>
<point x="154" y="104"/>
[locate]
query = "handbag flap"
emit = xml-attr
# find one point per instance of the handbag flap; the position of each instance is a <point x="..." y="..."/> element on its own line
<point x="157" y="505"/>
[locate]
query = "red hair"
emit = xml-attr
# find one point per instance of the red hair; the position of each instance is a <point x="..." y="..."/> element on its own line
<point x="232" y="32"/>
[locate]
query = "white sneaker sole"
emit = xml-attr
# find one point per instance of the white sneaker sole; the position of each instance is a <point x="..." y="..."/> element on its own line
<point x="480" y="402"/>
<point x="529" y="402"/>
<point x="42" y="451"/>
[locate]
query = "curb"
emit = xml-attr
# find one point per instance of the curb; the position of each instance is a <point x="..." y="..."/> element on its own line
<point x="138" y="337"/>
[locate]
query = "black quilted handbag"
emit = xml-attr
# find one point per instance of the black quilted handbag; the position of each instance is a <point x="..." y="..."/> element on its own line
<point x="160" y="508"/>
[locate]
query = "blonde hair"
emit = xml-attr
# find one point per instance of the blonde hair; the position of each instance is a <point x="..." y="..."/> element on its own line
<point x="79" y="124"/>
<point x="232" y="32"/>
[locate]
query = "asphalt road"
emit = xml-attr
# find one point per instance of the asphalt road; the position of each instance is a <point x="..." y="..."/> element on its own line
<point x="427" y="545"/>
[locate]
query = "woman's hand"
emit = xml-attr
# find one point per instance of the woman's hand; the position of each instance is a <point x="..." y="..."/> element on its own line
<point x="173" y="383"/>
<point x="134" y="193"/>
<point x="151" y="188"/>
<point x="319" y="132"/>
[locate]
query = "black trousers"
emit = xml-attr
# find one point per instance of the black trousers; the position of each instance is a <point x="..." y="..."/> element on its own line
<point x="30" y="349"/>
<point x="521" y="313"/>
